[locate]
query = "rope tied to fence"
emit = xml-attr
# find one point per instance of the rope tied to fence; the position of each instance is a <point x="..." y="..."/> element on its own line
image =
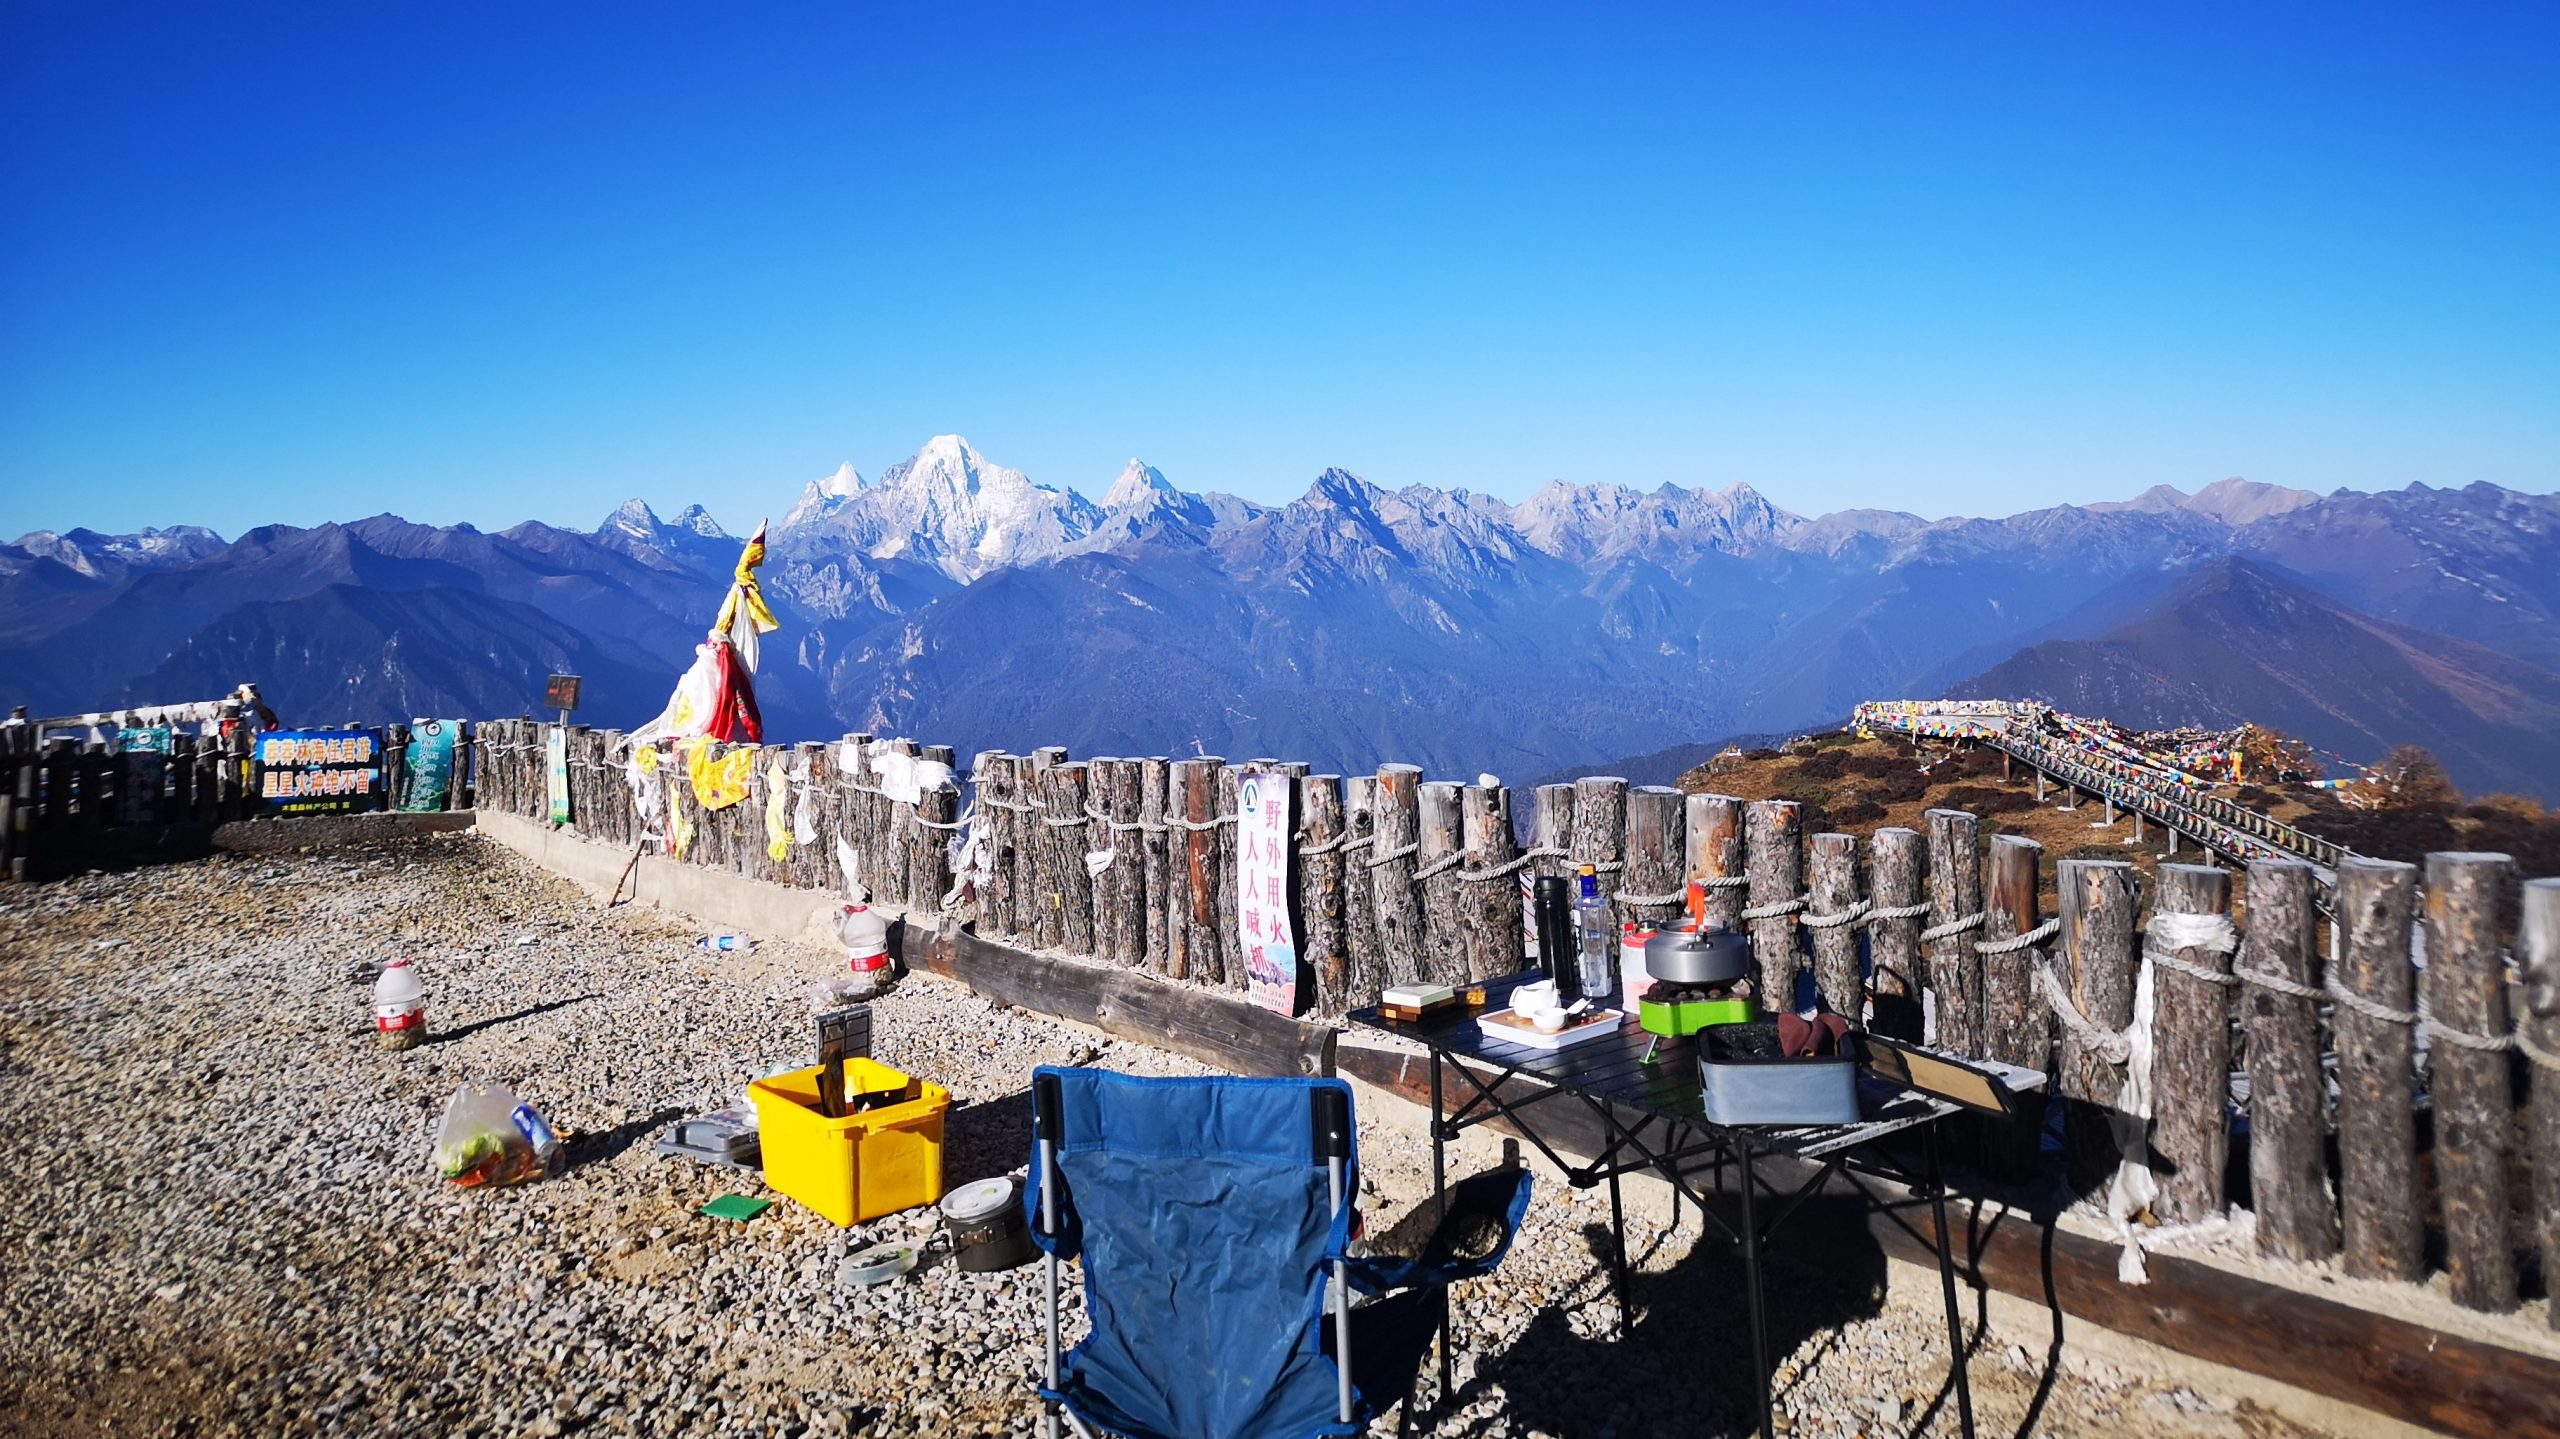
<point x="1198" y="826"/>
<point x="1063" y="821"/>
<point x="1723" y="881"/>
<point x="1440" y="866"/>
<point x="1526" y="858"/>
<point x="2537" y="1053"/>
<point x="1641" y="901"/>
<point x="1778" y="910"/>
<point x="2028" y="940"/>
<point x="2111" y="1046"/>
<point x="1341" y="841"/>
<point x="1117" y="826"/>
<point x="2370" y="1008"/>
<point x="1834" y="920"/>
<point x="1882" y="914"/>
<point x="1951" y="928"/>
<point x="1381" y="861"/>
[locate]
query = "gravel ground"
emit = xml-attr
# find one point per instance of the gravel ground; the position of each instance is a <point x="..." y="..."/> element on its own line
<point x="227" y="1220"/>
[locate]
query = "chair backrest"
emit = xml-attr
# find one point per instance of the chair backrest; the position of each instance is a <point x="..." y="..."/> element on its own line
<point x="1204" y="1212"/>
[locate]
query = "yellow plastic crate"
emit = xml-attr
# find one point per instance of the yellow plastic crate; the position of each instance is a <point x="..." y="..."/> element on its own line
<point x="867" y="1164"/>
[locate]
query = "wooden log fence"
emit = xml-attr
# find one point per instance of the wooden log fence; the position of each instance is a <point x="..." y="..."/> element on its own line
<point x="1928" y="932"/>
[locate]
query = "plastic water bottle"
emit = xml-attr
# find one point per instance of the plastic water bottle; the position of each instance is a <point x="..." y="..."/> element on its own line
<point x="1596" y="936"/>
<point x="866" y="949"/>
<point x="399" y="1006"/>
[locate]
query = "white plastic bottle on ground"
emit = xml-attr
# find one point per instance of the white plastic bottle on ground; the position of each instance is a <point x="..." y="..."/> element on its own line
<point x="400" y="1006"/>
<point x="866" y="950"/>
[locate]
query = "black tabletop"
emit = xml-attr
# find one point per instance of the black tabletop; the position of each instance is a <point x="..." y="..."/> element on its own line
<point x="1613" y="1070"/>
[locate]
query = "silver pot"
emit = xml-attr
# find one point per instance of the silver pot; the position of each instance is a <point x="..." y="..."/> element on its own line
<point x="1678" y="956"/>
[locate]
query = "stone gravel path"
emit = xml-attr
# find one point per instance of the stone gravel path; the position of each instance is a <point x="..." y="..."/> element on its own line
<point x="225" y="1219"/>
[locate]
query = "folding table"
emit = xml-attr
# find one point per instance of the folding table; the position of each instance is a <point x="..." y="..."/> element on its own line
<point x="1653" y="1118"/>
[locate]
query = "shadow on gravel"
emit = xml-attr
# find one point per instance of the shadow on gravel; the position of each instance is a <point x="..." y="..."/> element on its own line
<point x="604" y="1144"/>
<point x="986" y="1138"/>
<point x="1689" y="1339"/>
<point x="450" y="1036"/>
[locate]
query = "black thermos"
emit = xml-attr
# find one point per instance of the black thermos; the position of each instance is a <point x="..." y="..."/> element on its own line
<point x="1553" y="904"/>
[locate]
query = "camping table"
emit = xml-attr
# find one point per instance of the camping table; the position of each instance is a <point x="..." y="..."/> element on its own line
<point x="1654" y="1119"/>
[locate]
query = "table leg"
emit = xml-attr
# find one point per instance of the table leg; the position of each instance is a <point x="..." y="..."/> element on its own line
<point x="1751" y="1282"/>
<point x="1439" y="1207"/>
<point x="1617" y="1222"/>
<point x="1947" y="1282"/>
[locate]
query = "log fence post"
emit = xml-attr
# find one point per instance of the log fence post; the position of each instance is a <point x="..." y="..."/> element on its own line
<point x="1897" y="866"/>
<point x="1198" y="780"/>
<point x="1390" y="862"/>
<point x="1491" y="906"/>
<point x="1832" y="860"/>
<point x="1651" y="889"/>
<point x="2015" y="1022"/>
<point x="2191" y="1052"/>
<point x="1773" y="849"/>
<point x="1364" y="956"/>
<point x="1600" y="830"/>
<point x="2466" y="1001"/>
<point x="2288" y="1161"/>
<point x="1440" y="837"/>
<point x="2097" y="906"/>
<point x="994" y="780"/>
<point x="1069" y="827"/>
<point x="1320" y="890"/>
<point x="1955" y="912"/>
<point x="1715" y="855"/>
<point x="2384" y="1235"/>
<point x="2538" y="1028"/>
<point x="1160" y="893"/>
<point x="1125" y="885"/>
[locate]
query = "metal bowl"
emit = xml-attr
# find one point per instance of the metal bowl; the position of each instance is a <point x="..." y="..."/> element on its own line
<point x="1717" y="956"/>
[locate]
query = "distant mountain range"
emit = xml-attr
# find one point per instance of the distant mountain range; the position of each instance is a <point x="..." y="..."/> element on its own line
<point x="957" y="600"/>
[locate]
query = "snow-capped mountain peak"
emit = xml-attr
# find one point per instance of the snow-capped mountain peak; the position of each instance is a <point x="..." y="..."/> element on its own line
<point x="823" y="497"/>
<point x="87" y="552"/>
<point x="697" y="520"/>
<point x="1140" y="485"/>
<point x="947" y="506"/>
<point x="634" y="518"/>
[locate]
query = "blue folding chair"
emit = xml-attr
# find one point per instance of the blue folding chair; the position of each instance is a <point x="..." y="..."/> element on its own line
<point x="1213" y="1218"/>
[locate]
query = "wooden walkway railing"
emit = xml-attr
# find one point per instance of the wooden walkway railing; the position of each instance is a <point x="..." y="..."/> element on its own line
<point x="2231" y="831"/>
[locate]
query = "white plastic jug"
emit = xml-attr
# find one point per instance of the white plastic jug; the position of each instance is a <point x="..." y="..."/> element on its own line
<point x="400" y="1006"/>
<point x="866" y="947"/>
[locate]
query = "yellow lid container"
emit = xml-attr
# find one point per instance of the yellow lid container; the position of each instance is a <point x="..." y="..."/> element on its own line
<point x="871" y="1162"/>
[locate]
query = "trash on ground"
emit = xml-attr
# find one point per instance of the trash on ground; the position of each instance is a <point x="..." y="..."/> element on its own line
<point x="726" y="943"/>
<point x="866" y="949"/>
<point x="726" y="1136"/>
<point x="489" y="1137"/>
<point x="736" y="1207"/>
<point x="400" y="1006"/>
<point x="878" y="1264"/>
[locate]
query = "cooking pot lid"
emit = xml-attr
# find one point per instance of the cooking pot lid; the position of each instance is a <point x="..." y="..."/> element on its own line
<point x="982" y="1200"/>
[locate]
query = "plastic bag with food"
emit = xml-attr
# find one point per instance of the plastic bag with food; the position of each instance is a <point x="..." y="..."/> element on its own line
<point x="488" y="1136"/>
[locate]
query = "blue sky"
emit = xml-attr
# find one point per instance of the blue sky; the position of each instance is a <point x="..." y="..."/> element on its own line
<point x="266" y="264"/>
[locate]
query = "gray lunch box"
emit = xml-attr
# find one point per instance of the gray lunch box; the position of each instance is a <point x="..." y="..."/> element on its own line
<point x="1747" y="1079"/>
